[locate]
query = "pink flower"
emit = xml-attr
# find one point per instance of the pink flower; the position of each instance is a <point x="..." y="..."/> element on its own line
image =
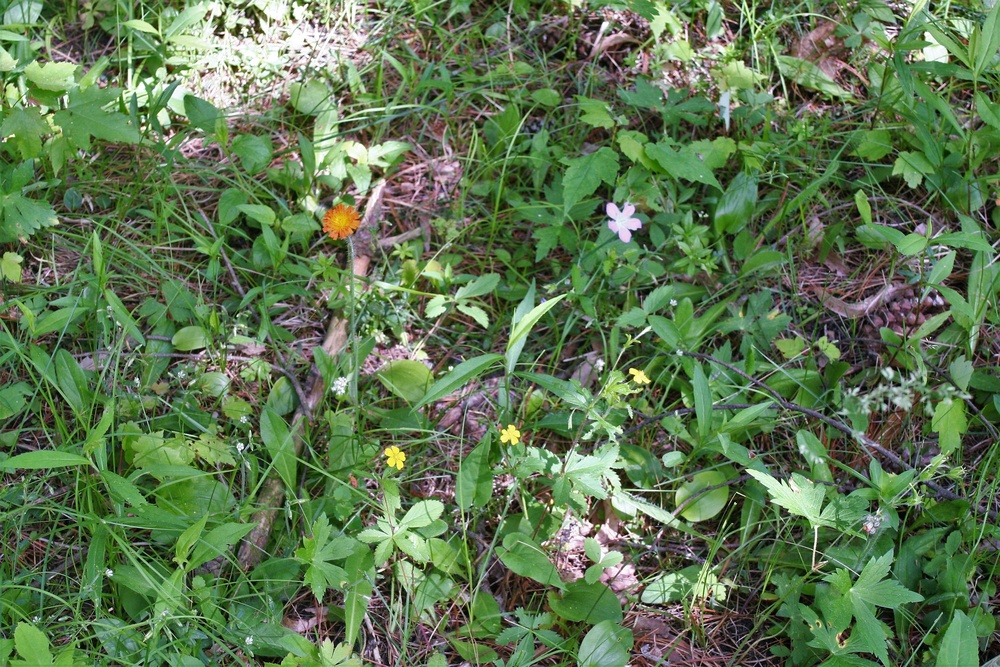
<point x="622" y="223"/>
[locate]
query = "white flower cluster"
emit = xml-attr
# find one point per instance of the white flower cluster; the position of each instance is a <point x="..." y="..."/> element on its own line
<point x="339" y="386"/>
<point x="902" y="392"/>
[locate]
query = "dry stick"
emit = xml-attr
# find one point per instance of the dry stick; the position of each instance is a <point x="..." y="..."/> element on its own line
<point x="272" y="496"/>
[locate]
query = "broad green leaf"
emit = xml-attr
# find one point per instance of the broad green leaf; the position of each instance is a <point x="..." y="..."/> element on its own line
<point x="485" y="284"/>
<point x="12" y="399"/>
<point x="55" y="77"/>
<point x="187" y="540"/>
<point x="32" y="645"/>
<point x="589" y="603"/>
<point x="988" y="112"/>
<point x="546" y="97"/>
<point x="959" y="647"/>
<point x="607" y="644"/>
<point x="459" y="376"/>
<point x="190" y="338"/>
<point x="423" y="513"/>
<point x="72" y="381"/>
<point x="406" y="378"/>
<point x="141" y="26"/>
<point x="280" y="444"/>
<point x="987" y="42"/>
<point x="682" y="164"/>
<point x="584" y="175"/>
<point x="524" y="557"/>
<point x="123" y="317"/>
<point x="22" y="12"/>
<point x="476" y="313"/>
<point x="708" y="504"/>
<point x="86" y="118"/>
<point x="202" y="114"/>
<point x="942" y="269"/>
<point x="762" y="260"/>
<point x="912" y="244"/>
<point x="864" y="207"/>
<point x="815" y="454"/>
<point x="311" y="97"/>
<point x="254" y="151"/>
<point x="736" y="206"/>
<point x="43" y="459"/>
<point x="265" y="215"/>
<point x="875" y="145"/>
<point x="474" y="485"/>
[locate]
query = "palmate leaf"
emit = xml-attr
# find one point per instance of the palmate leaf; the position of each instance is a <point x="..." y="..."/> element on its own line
<point x="871" y="589"/>
<point x="86" y="118"/>
<point x="21" y="217"/>
<point x="799" y="496"/>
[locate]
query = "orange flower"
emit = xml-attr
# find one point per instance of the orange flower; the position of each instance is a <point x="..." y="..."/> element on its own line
<point x="341" y="221"/>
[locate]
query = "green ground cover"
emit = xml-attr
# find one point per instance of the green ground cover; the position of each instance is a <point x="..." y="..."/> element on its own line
<point x="668" y="333"/>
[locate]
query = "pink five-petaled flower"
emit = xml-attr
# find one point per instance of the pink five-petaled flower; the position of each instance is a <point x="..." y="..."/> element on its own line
<point x="622" y="223"/>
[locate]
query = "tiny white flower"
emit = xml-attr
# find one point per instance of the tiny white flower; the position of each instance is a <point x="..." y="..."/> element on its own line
<point x="339" y="387"/>
<point x="109" y="573"/>
<point x="622" y="223"/>
<point x="673" y="303"/>
<point x="249" y="640"/>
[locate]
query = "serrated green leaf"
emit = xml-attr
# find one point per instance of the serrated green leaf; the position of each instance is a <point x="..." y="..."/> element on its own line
<point x="86" y="118"/>
<point x="22" y="217"/>
<point x="26" y="127"/>
<point x="423" y="513"/>
<point x="595" y="112"/>
<point x="912" y="166"/>
<point x="682" y="164"/>
<point x="950" y="423"/>
<point x="959" y="647"/>
<point x="584" y="175"/>
<point x="10" y="267"/>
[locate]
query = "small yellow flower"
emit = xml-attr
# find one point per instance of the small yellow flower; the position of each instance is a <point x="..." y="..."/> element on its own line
<point x="510" y="434"/>
<point x="638" y="376"/>
<point x="341" y="221"/>
<point x="394" y="457"/>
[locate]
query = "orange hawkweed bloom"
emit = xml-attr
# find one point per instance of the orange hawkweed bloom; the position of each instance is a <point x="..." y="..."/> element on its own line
<point x="341" y="221"/>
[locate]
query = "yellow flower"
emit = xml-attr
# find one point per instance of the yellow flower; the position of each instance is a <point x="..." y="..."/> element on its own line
<point x="341" y="221"/>
<point x="394" y="457"/>
<point x="510" y="434"/>
<point x="638" y="376"/>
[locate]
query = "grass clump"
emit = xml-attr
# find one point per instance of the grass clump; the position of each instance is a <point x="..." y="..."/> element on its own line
<point x="407" y="333"/>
